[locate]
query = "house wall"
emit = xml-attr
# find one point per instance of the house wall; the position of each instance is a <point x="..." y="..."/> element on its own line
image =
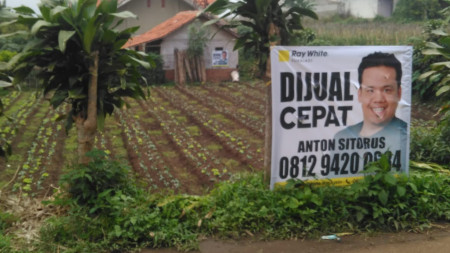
<point x="179" y="39"/>
<point x="355" y="8"/>
<point x="149" y="17"/>
<point x="362" y="9"/>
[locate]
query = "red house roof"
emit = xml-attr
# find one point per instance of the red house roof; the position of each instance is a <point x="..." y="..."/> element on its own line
<point x="201" y="3"/>
<point x="165" y="28"/>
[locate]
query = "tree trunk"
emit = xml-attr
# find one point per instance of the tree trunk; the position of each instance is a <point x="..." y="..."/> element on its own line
<point x="87" y="124"/>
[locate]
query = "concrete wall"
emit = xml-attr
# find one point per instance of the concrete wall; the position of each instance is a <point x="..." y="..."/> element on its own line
<point x="149" y="17"/>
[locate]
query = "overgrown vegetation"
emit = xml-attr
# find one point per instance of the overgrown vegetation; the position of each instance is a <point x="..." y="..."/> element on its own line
<point x="430" y="142"/>
<point x="419" y="10"/>
<point x="104" y="217"/>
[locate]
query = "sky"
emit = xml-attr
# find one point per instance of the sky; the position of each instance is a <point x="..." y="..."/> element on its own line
<point x="30" y="3"/>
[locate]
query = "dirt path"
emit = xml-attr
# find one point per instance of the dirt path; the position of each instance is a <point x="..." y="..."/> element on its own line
<point x="436" y="240"/>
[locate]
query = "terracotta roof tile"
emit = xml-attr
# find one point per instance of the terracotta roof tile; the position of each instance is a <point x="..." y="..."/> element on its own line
<point x="203" y="3"/>
<point x="165" y="28"/>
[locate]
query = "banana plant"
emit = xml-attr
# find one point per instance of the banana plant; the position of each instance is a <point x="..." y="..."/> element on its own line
<point x="440" y="71"/>
<point x="259" y="16"/>
<point x="75" y="49"/>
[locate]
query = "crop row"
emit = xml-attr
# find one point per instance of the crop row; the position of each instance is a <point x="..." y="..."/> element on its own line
<point x="241" y="116"/>
<point x="217" y="126"/>
<point x="184" y="139"/>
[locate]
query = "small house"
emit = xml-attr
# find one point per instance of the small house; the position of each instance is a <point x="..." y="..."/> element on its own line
<point x="172" y="35"/>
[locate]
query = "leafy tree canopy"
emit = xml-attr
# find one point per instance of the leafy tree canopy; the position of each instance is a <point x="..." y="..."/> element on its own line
<point x="75" y="49"/>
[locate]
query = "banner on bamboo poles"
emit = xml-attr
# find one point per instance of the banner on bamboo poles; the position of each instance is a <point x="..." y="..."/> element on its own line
<point x="336" y="109"/>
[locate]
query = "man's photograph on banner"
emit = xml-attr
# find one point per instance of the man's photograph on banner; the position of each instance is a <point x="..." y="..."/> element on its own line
<point x="336" y="109"/>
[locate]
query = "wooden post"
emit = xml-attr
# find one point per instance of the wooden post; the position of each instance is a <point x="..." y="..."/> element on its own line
<point x="201" y="61"/>
<point x="181" y="70"/>
<point x="273" y="31"/>
<point x="175" y="67"/>
<point x="189" y="69"/>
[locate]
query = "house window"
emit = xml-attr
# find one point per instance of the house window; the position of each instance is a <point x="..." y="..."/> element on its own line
<point x="163" y="3"/>
<point x="153" y="47"/>
<point x="149" y="3"/>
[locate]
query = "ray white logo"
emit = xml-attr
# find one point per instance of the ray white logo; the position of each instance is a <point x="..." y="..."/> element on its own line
<point x="309" y="53"/>
<point x="295" y="56"/>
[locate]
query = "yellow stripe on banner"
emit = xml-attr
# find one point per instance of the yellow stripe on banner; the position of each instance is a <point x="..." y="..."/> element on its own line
<point x="343" y="181"/>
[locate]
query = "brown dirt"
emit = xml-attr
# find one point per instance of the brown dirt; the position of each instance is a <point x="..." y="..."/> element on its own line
<point x="435" y="240"/>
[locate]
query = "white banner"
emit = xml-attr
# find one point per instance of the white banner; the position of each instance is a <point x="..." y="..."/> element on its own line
<point x="337" y="108"/>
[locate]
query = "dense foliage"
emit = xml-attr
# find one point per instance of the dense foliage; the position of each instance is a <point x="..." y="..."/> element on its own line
<point x="123" y="216"/>
<point x="419" y="10"/>
<point x="430" y="142"/>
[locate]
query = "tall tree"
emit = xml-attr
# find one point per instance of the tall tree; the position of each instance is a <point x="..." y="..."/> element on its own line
<point x="77" y="52"/>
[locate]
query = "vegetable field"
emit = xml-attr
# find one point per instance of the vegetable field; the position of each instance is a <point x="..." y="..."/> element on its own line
<point x="180" y="138"/>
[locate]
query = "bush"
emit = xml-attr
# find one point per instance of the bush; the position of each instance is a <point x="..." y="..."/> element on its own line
<point x="155" y="75"/>
<point x="430" y="142"/>
<point x="418" y="10"/>
<point x="425" y="89"/>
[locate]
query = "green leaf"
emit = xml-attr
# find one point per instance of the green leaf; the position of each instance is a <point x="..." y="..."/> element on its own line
<point x="24" y="9"/>
<point x="89" y="34"/>
<point x="63" y="37"/>
<point x="401" y="190"/>
<point x="427" y="74"/>
<point x="38" y="25"/>
<point x="383" y="197"/>
<point x="359" y="216"/>
<point x="124" y="14"/>
<point x="441" y="64"/>
<point x="4" y="84"/>
<point x="117" y="230"/>
<point x="76" y="93"/>
<point x="142" y="63"/>
<point x="432" y="45"/>
<point x="133" y="220"/>
<point x="439" y="32"/>
<point x="442" y="90"/>
<point x="58" y="9"/>
<point x="390" y="179"/>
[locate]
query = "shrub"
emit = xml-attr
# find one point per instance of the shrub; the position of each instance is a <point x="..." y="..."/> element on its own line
<point x="425" y="89"/>
<point x="418" y="10"/>
<point x="430" y="142"/>
<point x="156" y="74"/>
